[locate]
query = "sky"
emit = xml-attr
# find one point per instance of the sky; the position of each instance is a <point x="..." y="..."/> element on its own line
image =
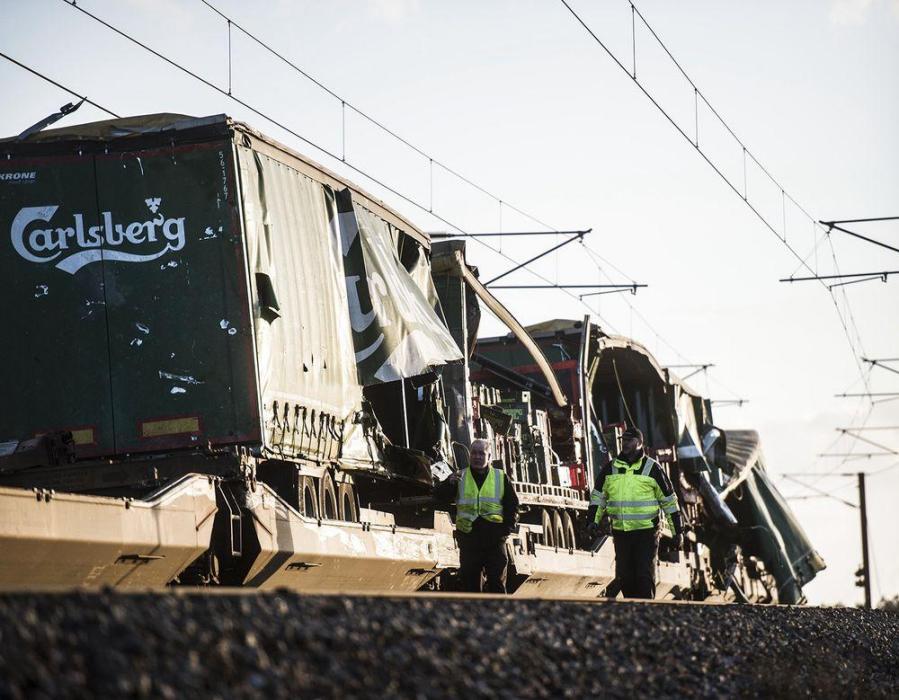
<point x="520" y="99"/>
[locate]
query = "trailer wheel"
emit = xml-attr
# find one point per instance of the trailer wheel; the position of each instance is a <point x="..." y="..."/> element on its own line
<point x="328" y="498"/>
<point x="346" y="494"/>
<point x="549" y="532"/>
<point x="559" y="531"/>
<point x="308" y="498"/>
<point x="570" y="540"/>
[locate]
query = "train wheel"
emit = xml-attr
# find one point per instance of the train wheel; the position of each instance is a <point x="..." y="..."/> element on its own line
<point x="559" y="531"/>
<point x="570" y="540"/>
<point x="328" y="498"/>
<point x="308" y="498"/>
<point x="346" y="495"/>
<point x="549" y="533"/>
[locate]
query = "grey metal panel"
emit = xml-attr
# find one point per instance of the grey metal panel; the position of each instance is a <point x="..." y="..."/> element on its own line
<point x="72" y="540"/>
<point x="304" y="554"/>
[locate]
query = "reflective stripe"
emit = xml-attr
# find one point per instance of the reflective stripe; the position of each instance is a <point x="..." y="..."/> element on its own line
<point x="670" y="509"/>
<point x="688" y="452"/>
<point x="632" y="516"/>
<point x="597" y="498"/>
<point x="633" y="504"/>
<point x="709" y="439"/>
<point x="669" y="499"/>
<point x="648" y="466"/>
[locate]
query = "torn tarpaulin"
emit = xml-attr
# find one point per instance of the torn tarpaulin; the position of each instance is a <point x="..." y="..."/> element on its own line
<point x="396" y="333"/>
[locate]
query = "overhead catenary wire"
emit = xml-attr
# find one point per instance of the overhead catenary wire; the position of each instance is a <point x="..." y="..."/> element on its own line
<point x="824" y="236"/>
<point x="432" y="162"/>
<point x="358" y="170"/>
<point x="369" y="118"/>
<point x="330" y="153"/>
<point x="683" y="133"/>
<point x="833" y="225"/>
<point x="818" y="491"/>
<point x="782" y="237"/>
<point x="621" y="393"/>
<point x="60" y="86"/>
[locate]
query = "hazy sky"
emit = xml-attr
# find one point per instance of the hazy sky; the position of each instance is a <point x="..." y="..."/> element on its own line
<point x="520" y="99"/>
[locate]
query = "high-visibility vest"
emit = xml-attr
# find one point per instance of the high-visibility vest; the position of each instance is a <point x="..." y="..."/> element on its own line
<point x="632" y="497"/>
<point x="473" y="503"/>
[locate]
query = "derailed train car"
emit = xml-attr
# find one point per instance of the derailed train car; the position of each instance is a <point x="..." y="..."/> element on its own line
<point x="225" y="365"/>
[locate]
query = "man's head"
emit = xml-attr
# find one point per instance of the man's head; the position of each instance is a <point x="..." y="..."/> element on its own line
<point x="479" y="454"/>
<point x="631" y="441"/>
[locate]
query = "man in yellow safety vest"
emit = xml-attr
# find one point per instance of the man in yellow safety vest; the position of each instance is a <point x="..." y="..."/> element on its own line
<point x="486" y="513"/>
<point x="632" y="490"/>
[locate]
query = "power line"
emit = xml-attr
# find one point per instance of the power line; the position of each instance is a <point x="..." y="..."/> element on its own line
<point x="815" y="278"/>
<point x="369" y="118"/>
<point x="502" y="234"/>
<point x="856" y="354"/>
<point x="379" y="124"/>
<point x="60" y="86"/>
<point x="695" y="143"/>
<point x="818" y="491"/>
<point x="344" y="103"/>
<point x="680" y="130"/>
<point x="882" y="364"/>
<point x="833" y="225"/>
<point x="579" y="236"/>
<point x="617" y="287"/>
<point x="862" y="221"/>
<point x="429" y="210"/>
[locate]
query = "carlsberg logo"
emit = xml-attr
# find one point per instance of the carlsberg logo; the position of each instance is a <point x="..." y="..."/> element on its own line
<point x="79" y="244"/>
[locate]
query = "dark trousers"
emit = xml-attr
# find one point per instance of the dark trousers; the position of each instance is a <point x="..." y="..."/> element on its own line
<point x="635" y="562"/>
<point x="477" y="554"/>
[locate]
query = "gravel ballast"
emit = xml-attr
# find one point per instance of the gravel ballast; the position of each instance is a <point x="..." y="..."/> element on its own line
<point x="286" y="645"/>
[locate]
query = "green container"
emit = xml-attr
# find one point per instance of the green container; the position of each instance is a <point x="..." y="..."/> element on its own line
<point x="122" y="321"/>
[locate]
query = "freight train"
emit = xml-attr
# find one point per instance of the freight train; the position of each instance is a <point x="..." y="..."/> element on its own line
<point x="224" y="365"/>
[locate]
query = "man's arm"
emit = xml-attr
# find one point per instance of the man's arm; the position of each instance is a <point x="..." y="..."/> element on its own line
<point x="664" y="492"/>
<point x="445" y="492"/>
<point x="510" y="504"/>
<point x="597" y="498"/>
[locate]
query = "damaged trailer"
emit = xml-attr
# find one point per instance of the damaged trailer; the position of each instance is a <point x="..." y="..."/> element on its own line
<point x="265" y="370"/>
<point x="229" y="309"/>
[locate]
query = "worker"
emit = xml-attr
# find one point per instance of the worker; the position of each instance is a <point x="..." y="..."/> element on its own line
<point x="486" y="514"/>
<point x="630" y="490"/>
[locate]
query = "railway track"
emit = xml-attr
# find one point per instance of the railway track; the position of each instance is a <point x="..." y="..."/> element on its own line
<point x="234" y="643"/>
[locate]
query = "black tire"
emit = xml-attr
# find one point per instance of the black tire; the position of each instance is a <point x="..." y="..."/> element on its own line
<point x="559" y="530"/>
<point x="346" y="502"/>
<point x="308" y="497"/>
<point x="549" y="532"/>
<point x="329" y="509"/>
<point x="570" y="541"/>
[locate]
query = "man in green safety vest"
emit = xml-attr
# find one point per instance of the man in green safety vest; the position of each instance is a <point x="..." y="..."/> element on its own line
<point x="486" y="513"/>
<point x="632" y="490"/>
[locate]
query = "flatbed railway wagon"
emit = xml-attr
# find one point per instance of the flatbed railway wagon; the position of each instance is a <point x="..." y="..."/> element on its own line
<point x="743" y="542"/>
